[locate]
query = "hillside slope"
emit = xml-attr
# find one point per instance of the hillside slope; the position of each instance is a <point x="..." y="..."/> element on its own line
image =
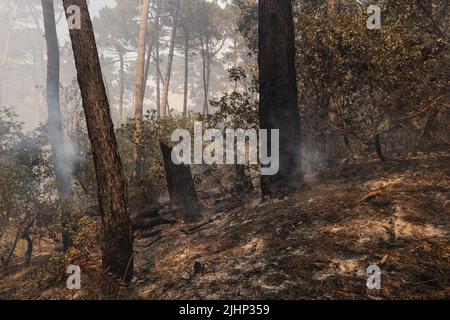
<point x="313" y="245"/>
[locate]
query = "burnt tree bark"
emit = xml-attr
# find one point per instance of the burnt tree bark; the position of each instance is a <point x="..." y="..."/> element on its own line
<point x="181" y="187"/>
<point x="29" y="252"/>
<point x="377" y="143"/>
<point x="278" y="93"/>
<point x="117" y="241"/>
<point x="243" y="181"/>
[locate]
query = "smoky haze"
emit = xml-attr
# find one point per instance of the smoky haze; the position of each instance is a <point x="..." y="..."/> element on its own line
<point x="23" y="61"/>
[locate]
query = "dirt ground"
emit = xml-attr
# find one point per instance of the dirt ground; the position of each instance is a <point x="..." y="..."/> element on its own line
<point x="313" y="245"/>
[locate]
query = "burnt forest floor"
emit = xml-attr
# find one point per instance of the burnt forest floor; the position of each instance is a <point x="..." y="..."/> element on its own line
<point x="316" y="244"/>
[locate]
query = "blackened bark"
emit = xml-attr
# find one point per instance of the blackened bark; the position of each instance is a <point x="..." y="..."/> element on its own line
<point x="347" y="143"/>
<point x="278" y="92"/>
<point x="29" y="252"/>
<point x="181" y="187"/>
<point x="117" y="242"/>
<point x="427" y="132"/>
<point x="378" y="147"/>
<point x="243" y="181"/>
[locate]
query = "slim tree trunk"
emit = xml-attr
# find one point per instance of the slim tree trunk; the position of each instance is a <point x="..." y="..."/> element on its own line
<point x="122" y="86"/>
<point x="157" y="70"/>
<point x="235" y="49"/>
<point x="4" y="62"/>
<point x="139" y="94"/>
<point x="29" y="252"/>
<point x="151" y="41"/>
<point x="40" y="59"/>
<point x="208" y="78"/>
<point x="7" y="49"/>
<point x="117" y="241"/>
<point x="165" y="97"/>
<point x="278" y="93"/>
<point x="205" y="75"/>
<point x="186" y="71"/>
<point x="55" y="131"/>
<point x="235" y="56"/>
<point x="148" y="59"/>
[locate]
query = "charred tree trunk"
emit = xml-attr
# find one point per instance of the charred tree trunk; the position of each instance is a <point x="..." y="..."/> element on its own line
<point x="243" y="182"/>
<point x="278" y="93"/>
<point x="347" y="143"/>
<point x="29" y="252"/>
<point x="165" y="97"/>
<point x="117" y="241"/>
<point x="55" y="131"/>
<point x="378" y="148"/>
<point x="181" y="187"/>
<point x="427" y="132"/>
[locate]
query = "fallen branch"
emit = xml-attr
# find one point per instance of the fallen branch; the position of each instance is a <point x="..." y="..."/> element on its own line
<point x="143" y="225"/>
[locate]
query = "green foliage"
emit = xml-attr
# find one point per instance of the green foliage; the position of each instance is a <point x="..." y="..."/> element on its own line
<point x="359" y="82"/>
<point x="239" y="108"/>
<point x="24" y="166"/>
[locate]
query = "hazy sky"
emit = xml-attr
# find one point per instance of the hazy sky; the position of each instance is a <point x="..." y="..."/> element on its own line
<point x="33" y="78"/>
<point x="94" y="7"/>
